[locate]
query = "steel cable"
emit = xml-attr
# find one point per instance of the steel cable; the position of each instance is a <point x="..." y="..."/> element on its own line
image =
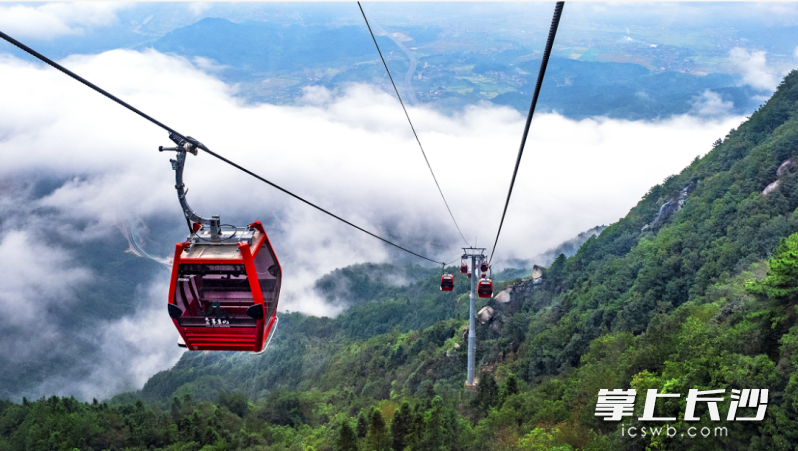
<point x="555" y="21"/>
<point x="194" y="141"/>
<point x="411" y="125"/>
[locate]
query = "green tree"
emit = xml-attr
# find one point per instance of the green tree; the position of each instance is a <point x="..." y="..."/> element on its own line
<point x="400" y="427"/>
<point x="174" y="409"/>
<point x="781" y="283"/>
<point x="347" y="439"/>
<point x="541" y="440"/>
<point x="362" y="424"/>
<point x="436" y="434"/>
<point x="557" y="267"/>
<point x="377" y="438"/>
<point x="509" y="388"/>
<point x="210" y="436"/>
<point x="416" y="430"/>
<point x="487" y="393"/>
<point x="238" y="403"/>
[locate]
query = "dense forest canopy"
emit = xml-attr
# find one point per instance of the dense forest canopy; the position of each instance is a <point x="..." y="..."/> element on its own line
<point x="693" y="289"/>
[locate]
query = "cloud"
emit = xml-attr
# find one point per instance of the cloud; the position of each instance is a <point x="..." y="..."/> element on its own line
<point x="133" y="348"/>
<point x="198" y="8"/>
<point x="61" y="308"/>
<point x="51" y="20"/>
<point x="208" y="64"/>
<point x="128" y="352"/>
<point x="37" y="278"/>
<point x="711" y="104"/>
<point x="350" y="151"/>
<point x="754" y="68"/>
<point x="316" y="96"/>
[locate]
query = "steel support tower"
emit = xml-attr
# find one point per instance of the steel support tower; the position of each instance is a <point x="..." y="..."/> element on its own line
<point x="477" y="255"/>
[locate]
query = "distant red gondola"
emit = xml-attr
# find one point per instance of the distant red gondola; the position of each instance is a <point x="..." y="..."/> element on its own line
<point x="447" y="282"/>
<point x="469" y="275"/>
<point x="463" y="268"/>
<point x="483" y="267"/>
<point x="485" y="288"/>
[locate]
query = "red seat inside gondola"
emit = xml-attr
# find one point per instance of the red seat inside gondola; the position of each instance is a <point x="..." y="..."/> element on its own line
<point x="447" y="282"/>
<point x="485" y="288"/>
<point x="223" y="296"/>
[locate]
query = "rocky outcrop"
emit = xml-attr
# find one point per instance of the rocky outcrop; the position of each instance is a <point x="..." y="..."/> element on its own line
<point x="788" y="166"/>
<point x="508" y="302"/>
<point x="485" y="314"/>
<point x="504" y="296"/>
<point x="770" y="188"/>
<point x="454" y="349"/>
<point x="537" y="274"/>
<point x="668" y="209"/>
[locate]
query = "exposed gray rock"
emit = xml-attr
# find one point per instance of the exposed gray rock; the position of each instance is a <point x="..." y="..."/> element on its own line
<point x="788" y="165"/>
<point x="668" y="209"/>
<point x="485" y="314"/>
<point x="537" y="272"/>
<point x="504" y="296"/>
<point x="770" y="188"/>
<point x="452" y="351"/>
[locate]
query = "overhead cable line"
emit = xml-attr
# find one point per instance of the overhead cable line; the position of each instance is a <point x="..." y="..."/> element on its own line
<point x="194" y="141"/>
<point x="411" y="124"/>
<point x="555" y="21"/>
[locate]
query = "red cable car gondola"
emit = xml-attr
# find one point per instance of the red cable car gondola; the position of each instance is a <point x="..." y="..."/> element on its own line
<point x="463" y="268"/>
<point x="224" y="297"/>
<point x="485" y="288"/>
<point x="447" y="282"/>
<point x="483" y="267"/>
<point x="225" y="283"/>
<point x="469" y="274"/>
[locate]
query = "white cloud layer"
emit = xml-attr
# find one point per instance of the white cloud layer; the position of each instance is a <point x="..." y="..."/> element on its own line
<point x="51" y="20"/>
<point x="130" y="351"/>
<point x="711" y="104"/>
<point x="350" y="151"/>
<point x="37" y="277"/>
<point x="754" y="68"/>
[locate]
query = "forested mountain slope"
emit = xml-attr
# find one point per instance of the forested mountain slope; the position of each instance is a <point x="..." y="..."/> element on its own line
<point x="694" y="289"/>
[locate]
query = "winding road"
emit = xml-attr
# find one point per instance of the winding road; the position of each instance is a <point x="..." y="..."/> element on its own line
<point x="410" y="95"/>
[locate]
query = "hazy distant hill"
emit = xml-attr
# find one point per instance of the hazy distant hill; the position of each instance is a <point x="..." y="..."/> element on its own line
<point x="273" y="62"/>
<point x="257" y="47"/>
<point x="580" y="89"/>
